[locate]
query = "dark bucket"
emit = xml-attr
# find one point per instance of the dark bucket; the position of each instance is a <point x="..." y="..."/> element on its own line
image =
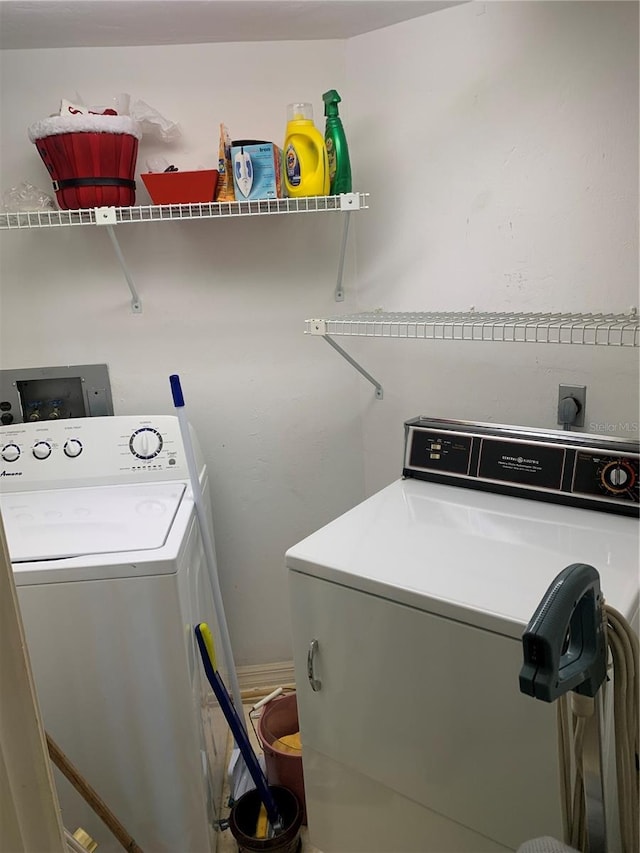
<point x="244" y="815"/>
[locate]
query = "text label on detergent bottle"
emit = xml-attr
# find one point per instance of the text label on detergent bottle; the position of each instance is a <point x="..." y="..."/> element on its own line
<point x="293" y="166"/>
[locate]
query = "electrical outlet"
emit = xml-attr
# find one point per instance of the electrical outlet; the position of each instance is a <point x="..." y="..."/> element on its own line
<point x="577" y="393"/>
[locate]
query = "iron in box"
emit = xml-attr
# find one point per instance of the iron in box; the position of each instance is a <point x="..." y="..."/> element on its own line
<point x="257" y="169"/>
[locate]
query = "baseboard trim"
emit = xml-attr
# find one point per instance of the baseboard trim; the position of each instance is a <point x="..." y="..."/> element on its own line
<point x="260" y="680"/>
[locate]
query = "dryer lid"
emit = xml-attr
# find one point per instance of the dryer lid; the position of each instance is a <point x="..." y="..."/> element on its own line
<point x="480" y="558"/>
<point x="59" y="523"/>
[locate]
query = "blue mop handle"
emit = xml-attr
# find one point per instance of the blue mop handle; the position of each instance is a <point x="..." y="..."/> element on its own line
<point x="239" y="732"/>
<point x="207" y="539"/>
<point x="176" y="391"/>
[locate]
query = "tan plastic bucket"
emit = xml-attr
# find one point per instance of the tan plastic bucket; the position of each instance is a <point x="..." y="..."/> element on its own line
<point x="278" y="719"/>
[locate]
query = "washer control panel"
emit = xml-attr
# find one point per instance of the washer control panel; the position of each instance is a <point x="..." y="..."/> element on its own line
<point x="92" y="451"/>
<point x="562" y="467"/>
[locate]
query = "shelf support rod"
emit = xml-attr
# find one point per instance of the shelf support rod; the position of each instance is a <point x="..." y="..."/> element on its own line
<point x="354" y="363"/>
<point x="136" y="304"/>
<point x="339" y="292"/>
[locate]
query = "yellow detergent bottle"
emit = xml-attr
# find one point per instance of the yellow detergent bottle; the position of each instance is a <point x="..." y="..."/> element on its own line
<point x="306" y="165"/>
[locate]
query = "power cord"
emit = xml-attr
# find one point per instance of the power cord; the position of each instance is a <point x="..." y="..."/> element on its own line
<point x="623" y="648"/>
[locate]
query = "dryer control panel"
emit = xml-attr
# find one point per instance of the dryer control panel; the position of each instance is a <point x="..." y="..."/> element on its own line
<point x="93" y="451"/>
<point x="563" y="467"/>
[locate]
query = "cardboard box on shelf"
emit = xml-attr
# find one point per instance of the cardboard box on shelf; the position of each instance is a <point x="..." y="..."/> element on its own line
<point x="257" y="169"/>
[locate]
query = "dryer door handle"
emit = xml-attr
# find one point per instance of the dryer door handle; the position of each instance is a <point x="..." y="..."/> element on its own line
<point x="315" y="683"/>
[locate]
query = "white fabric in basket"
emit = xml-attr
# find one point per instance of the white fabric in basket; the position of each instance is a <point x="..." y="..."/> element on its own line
<point x="55" y="125"/>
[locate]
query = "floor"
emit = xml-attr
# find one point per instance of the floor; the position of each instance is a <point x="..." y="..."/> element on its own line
<point x="226" y="841"/>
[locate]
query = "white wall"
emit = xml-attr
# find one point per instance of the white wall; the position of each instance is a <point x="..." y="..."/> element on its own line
<point x="499" y="144"/>
<point x="224" y="304"/>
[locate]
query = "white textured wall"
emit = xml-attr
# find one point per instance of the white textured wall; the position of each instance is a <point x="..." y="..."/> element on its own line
<point x="500" y="145"/>
<point x="224" y="304"/>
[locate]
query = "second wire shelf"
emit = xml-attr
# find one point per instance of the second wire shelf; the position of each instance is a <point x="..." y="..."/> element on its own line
<point x="613" y="330"/>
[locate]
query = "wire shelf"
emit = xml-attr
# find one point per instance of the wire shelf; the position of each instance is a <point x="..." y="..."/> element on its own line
<point x="622" y="330"/>
<point x="179" y="212"/>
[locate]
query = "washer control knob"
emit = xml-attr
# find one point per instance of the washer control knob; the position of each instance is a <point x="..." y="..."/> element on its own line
<point x="42" y="449"/>
<point x="145" y="443"/>
<point x="10" y="452"/>
<point x="72" y="448"/>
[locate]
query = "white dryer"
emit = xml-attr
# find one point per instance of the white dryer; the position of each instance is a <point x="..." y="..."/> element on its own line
<point x="111" y="578"/>
<point x="408" y="613"/>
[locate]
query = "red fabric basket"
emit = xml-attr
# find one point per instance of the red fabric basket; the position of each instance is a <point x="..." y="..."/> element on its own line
<point x="89" y="168"/>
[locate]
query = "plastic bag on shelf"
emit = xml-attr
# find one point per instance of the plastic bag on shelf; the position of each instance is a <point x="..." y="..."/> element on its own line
<point x="158" y="164"/>
<point x="26" y="197"/>
<point x="152" y="123"/>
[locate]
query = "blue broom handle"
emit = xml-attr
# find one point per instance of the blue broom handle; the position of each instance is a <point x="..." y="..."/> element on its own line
<point x="239" y="734"/>
<point x="207" y="539"/>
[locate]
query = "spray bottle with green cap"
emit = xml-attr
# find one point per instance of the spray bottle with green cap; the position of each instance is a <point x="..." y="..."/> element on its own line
<point x="336" y="143"/>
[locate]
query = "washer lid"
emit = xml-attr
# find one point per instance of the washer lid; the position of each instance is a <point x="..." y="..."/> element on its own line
<point x="51" y="525"/>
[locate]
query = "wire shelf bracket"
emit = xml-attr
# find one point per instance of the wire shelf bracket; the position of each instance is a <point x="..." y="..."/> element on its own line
<point x="339" y="291"/>
<point x="136" y="302"/>
<point x="348" y="202"/>
<point x="318" y="327"/>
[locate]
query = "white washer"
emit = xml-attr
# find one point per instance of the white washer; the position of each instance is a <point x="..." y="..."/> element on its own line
<point x="408" y="613"/>
<point x="112" y="577"/>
